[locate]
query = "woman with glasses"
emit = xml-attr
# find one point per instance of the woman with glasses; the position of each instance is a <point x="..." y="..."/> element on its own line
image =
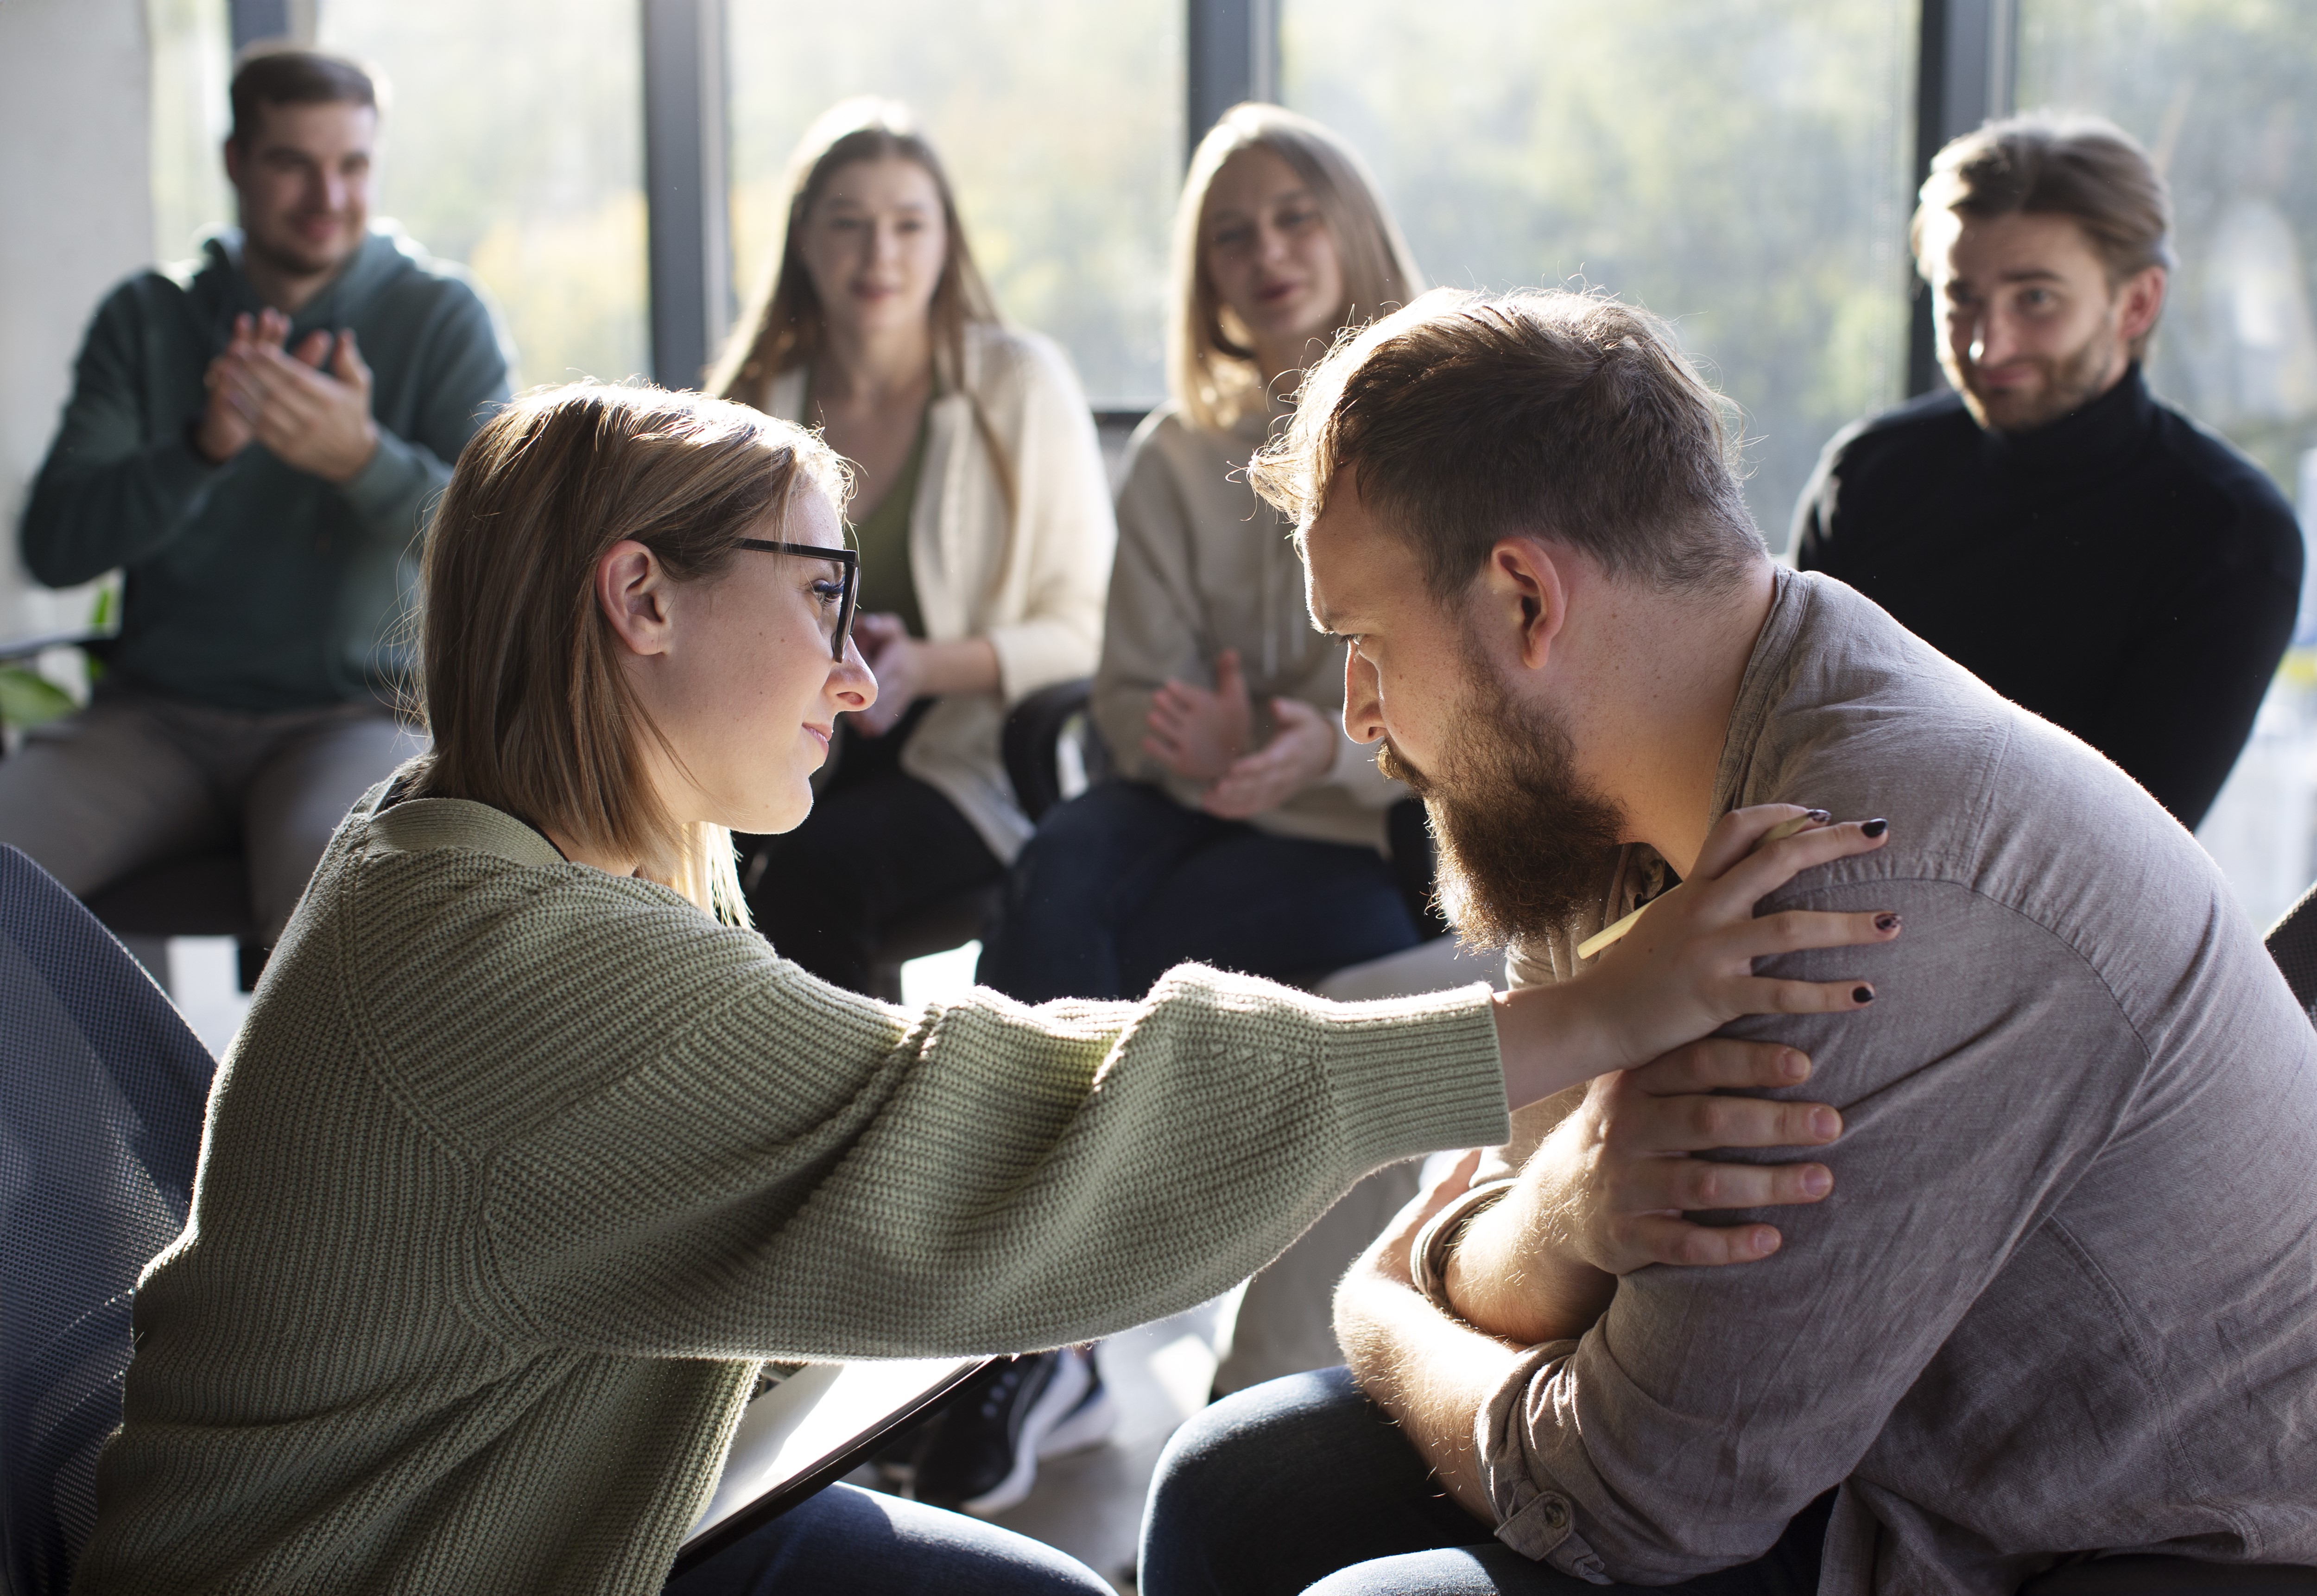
<point x="981" y="513"/>
<point x="530" y="1152"/>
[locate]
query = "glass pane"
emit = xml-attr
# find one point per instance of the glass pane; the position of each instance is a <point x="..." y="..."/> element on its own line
<point x="1060" y="123"/>
<point x="1739" y="169"/>
<point x="192" y="59"/>
<point x="2224" y="96"/>
<point x="2225" y="99"/>
<point x="512" y="142"/>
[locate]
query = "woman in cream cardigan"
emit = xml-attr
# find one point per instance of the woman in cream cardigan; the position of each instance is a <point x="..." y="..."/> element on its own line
<point x="982" y="515"/>
<point x="1250" y="828"/>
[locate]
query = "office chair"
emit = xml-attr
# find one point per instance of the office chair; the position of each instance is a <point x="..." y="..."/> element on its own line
<point x="1037" y="732"/>
<point x="198" y="895"/>
<point x="2293" y="943"/>
<point x="101" y="1093"/>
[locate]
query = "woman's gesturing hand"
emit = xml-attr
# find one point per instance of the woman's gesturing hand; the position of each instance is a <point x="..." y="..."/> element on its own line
<point x="1686" y="968"/>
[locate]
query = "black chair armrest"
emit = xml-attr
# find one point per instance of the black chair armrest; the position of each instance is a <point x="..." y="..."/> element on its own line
<point x="1031" y="743"/>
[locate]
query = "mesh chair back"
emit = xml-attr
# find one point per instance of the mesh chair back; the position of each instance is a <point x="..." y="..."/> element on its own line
<point x="102" y="1091"/>
<point x="2293" y="943"/>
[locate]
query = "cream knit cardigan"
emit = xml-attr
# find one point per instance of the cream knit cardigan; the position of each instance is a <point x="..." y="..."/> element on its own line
<point x="1032" y="584"/>
<point x="518" y="1169"/>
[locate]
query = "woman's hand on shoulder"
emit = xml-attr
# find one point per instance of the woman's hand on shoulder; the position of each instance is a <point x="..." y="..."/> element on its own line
<point x="1686" y="968"/>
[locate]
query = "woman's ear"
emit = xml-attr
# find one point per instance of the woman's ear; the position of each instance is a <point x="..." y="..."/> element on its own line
<point x="632" y="589"/>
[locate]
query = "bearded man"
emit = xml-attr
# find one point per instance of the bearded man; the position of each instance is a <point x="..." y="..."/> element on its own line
<point x="2051" y="1296"/>
<point x="2085" y="549"/>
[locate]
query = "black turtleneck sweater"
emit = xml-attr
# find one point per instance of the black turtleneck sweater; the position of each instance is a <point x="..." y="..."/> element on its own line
<point x="2120" y="571"/>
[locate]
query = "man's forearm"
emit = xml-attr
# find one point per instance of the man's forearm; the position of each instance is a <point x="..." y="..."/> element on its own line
<point x="1513" y="1271"/>
<point x="1432" y="1374"/>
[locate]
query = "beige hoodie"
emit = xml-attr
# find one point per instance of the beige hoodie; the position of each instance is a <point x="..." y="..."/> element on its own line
<point x="1204" y="565"/>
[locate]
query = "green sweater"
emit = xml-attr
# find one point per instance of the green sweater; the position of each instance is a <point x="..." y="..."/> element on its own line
<point x="519" y="1168"/>
<point x="252" y="586"/>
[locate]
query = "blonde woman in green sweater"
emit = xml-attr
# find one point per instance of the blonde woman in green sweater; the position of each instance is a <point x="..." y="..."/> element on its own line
<point x="528" y="1153"/>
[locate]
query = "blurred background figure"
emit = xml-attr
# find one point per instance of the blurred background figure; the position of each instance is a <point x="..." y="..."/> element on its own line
<point x="2083" y="547"/>
<point x="982" y="517"/>
<point x="255" y="438"/>
<point x="1248" y="829"/>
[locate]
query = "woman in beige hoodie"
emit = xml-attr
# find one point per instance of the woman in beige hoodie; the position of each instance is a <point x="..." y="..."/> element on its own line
<point x="1249" y="829"/>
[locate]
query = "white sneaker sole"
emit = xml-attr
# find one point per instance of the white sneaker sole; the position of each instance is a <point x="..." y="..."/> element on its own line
<point x="1063" y="1392"/>
<point x="1089" y="1424"/>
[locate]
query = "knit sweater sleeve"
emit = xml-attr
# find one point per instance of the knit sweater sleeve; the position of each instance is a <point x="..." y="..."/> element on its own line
<point x="803" y="1170"/>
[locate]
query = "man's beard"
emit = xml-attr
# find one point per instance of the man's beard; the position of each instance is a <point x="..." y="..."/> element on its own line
<point x="1522" y="838"/>
<point x="2071" y="381"/>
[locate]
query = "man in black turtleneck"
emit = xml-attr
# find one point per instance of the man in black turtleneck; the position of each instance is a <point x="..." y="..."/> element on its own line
<point x="2088" y="552"/>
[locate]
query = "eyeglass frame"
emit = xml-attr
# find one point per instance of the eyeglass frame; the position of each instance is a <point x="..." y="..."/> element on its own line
<point x="849" y="560"/>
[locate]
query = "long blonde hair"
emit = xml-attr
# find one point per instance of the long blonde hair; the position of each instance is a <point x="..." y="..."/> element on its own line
<point x="1212" y="375"/>
<point x="520" y="680"/>
<point x="786" y="324"/>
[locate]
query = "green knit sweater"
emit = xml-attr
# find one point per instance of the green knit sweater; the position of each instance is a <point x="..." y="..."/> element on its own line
<point x="518" y="1170"/>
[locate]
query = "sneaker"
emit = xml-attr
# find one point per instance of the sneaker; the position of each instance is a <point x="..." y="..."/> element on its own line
<point x="983" y="1455"/>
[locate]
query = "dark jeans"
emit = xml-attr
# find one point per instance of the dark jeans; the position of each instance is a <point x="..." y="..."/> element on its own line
<point x="1122" y="884"/>
<point x="1302" y="1485"/>
<point x="849" y="1542"/>
<point x="877" y="847"/>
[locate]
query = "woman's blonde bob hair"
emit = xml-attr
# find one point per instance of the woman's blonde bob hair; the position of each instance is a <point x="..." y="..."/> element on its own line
<point x="786" y="324"/>
<point x="520" y="679"/>
<point x="1211" y="374"/>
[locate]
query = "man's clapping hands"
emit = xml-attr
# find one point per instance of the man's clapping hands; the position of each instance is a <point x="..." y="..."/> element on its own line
<point x="309" y="406"/>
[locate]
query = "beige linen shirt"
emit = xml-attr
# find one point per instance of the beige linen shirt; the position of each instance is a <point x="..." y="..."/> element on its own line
<point x="2064" y="1298"/>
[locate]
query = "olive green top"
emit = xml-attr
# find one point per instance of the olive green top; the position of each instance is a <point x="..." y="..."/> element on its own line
<point x="519" y="1168"/>
<point x="888" y="577"/>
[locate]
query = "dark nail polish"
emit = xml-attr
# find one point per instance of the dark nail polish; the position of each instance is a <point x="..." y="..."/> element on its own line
<point x="1819" y="815"/>
<point x="1874" y="827"/>
<point x="1862" y="994"/>
<point x="1886" y="922"/>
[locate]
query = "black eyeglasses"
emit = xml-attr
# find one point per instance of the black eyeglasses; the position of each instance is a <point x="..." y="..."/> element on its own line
<point x="847" y="559"/>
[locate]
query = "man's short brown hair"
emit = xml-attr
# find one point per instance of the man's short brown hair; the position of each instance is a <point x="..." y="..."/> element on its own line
<point x="1470" y="418"/>
<point x="2085" y="167"/>
<point x="271" y="74"/>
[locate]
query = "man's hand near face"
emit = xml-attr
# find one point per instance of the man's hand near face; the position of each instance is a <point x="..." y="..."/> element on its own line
<point x="1603" y="1196"/>
<point x="310" y="407"/>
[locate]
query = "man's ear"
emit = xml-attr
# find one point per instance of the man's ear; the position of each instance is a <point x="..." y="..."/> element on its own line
<point x="2138" y="301"/>
<point x="1527" y="595"/>
<point x="632" y="590"/>
<point x="233" y="162"/>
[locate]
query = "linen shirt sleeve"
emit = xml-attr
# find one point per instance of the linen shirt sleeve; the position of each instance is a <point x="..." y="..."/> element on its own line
<point x="1710" y="1405"/>
<point x="1155" y="629"/>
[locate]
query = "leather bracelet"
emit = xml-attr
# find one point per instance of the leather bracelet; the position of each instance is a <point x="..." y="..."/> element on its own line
<point x="1427" y="1254"/>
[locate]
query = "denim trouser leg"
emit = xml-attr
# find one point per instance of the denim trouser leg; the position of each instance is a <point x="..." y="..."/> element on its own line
<point x="1122" y="884"/>
<point x="1301" y="1484"/>
<point x="849" y="1542"/>
<point x="1092" y="866"/>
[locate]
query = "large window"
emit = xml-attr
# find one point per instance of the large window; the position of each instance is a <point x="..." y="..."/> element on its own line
<point x="1739" y="169"/>
<point x="1060" y="123"/>
<point x="2225" y="95"/>
<point x="513" y="143"/>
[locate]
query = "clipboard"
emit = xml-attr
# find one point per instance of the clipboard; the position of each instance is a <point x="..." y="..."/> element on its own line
<point x="813" y="1427"/>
